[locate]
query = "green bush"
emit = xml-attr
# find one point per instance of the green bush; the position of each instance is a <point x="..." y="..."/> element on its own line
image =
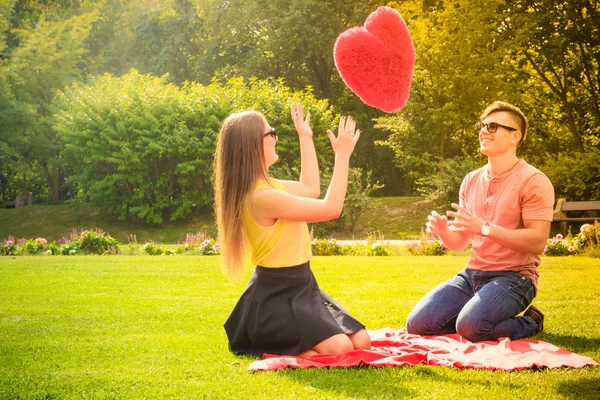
<point x="442" y="188"/>
<point x="368" y="249"/>
<point x="152" y="249"/>
<point x="34" y="247"/>
<point x="8" y="248"/>
<point x="586" y="242"/>
<point x="96" y="242"/>
<point x="144" y="148"/>
<point x="574" y="174"/>
<point x="327" y="247"/>
<point x="428" y="248"/>
<point x="69" y="249"/>
<point x="330" y="247"/>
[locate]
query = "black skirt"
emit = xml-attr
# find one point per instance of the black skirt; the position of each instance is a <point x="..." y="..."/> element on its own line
<point x="283" y="311"/>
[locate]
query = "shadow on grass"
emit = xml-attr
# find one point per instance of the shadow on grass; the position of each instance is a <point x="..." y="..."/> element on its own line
<point x="371" y="382"/>
<point x="575" y="344"/>
<point x="582" y="389"/>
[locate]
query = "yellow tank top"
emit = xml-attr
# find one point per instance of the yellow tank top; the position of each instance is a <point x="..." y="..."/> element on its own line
<point x="283" y="244"/>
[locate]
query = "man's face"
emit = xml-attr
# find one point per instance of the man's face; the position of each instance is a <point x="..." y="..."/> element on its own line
<point x="503" y="140"/>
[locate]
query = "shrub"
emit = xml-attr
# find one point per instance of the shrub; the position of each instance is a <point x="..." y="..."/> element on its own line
<point x="593" y="251"/>
<point x="34" y="246"/>
<point x="574" y="174"/>
<point x="96" y="242"/>
<point x="589" y="235"/>
<point x="152" y="249"/>
<point x="370" y="248"/>
<point x="379" y="250"/>
<point x="8" y="247"/>
<point x="327" y="247"/>
<point x="144" y="148"/>
<point x="428" y="247"/>
<point x="69" y="249"/>
<point x="442" y="187"/>
<point x="562" y="246"/>
<point x="330" y="247"/>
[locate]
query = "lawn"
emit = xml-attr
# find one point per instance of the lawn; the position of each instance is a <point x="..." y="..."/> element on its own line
<point x="151" y="327"/>
<point x="393" y="218"/>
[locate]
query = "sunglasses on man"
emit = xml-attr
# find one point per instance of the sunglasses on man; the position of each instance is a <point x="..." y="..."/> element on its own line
<point x="492" y="126"/>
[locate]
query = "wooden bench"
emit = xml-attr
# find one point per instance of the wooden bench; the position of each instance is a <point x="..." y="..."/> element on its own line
<point x="574" y="212"/>
<point x="20" y="201"/>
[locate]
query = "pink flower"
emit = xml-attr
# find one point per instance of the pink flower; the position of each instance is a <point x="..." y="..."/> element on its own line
<point x="202" y="247"/>
<point x="545" y="249"/>
<point x="554" y="242"/>
<point x="571" y="249"/>
<point x="559" y="236"/>
<point x="217" y="246"/>
<point x="576" y="242"/>
<point x="587" y="228"/>
<point x="9" y="242"/>
<point x="10" y="253"/>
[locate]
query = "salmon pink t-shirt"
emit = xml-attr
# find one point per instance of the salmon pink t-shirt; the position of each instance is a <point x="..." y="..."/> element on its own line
<point x="521" y="193"/>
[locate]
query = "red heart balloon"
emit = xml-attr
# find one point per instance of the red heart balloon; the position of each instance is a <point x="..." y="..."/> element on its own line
<point x="376" y="61"/>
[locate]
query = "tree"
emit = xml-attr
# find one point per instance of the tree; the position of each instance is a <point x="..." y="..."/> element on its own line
<point x="47" y="59"/>
<point x="455" y="78"/>
<point x="560" y="41"/>
<point x="280" y="38"/>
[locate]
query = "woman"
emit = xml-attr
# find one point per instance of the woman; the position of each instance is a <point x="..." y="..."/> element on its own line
<point x="282" y="310"/>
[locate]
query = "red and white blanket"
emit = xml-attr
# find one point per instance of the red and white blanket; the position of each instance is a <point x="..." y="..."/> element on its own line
<point x="396" y="348"/>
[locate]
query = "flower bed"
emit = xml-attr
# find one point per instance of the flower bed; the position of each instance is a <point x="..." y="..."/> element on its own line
<point x="95" y="241"/>
<point x="586" y="242"/>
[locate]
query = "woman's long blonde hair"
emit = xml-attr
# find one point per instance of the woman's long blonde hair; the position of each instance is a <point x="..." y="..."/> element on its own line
<point x="239" y="164"/>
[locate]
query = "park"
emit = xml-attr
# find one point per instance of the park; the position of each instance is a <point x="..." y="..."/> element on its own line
<point x="122" y="253"/>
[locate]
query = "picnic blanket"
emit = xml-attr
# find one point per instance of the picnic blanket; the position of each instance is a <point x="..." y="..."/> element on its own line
<point x="396" y="348"/>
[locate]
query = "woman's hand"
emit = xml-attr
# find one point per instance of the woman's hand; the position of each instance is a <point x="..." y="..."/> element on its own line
<point x="346" y="138"/>
<point x="302" y="125"/>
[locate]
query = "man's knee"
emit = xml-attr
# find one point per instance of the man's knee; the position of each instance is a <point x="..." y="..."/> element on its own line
<point x="474" y="329"/>
<point x="414" y="324"/>
<point x="418" y="324"/>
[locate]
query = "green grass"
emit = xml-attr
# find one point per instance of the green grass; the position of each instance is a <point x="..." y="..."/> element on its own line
<point x="151" y="327"/>
<point x="396" y="218"/>
<point x="55" y="222"/>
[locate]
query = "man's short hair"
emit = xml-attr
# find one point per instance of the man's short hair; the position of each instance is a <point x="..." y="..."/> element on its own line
<point x="498" y="106"/>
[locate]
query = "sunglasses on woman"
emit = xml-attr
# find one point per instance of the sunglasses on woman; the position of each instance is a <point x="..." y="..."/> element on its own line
<point x="271" y="133"/>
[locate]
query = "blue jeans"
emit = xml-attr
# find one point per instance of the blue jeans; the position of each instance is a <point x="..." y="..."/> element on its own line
<point x="478" y="305"/>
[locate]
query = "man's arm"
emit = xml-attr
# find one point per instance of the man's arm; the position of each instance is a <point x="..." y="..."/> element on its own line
<point x="529" y="239"/>
<point x="454" y="240"/>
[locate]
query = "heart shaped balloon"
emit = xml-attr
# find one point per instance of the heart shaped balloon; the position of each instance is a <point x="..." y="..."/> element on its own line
<point x="376" y="61"/>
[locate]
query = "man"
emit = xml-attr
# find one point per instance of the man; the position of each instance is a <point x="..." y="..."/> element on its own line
<point x="505" y="209"/>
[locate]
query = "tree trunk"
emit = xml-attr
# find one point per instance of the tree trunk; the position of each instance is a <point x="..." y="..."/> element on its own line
<point x="51" y="181"/>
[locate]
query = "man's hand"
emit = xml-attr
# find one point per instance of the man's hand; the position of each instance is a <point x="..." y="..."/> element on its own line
<point x="452" y="238"/>
<point x="436" y="224"/>
<point x="464" y="221"/>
